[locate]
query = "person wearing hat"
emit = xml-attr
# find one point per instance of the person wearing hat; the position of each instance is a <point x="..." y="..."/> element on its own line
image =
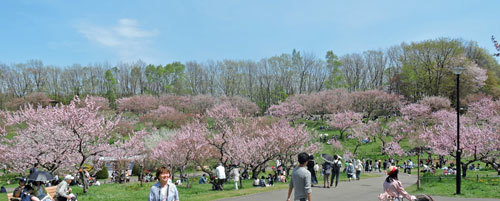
<point x="20" y="189"/>
<point x="393" y="189"/>
<point x="63" y="192"/>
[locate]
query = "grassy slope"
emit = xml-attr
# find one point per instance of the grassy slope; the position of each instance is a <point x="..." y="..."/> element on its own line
<point x="369" y="150"/>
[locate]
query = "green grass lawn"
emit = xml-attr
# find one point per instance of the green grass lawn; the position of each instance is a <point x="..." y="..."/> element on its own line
<point x="133" y="191"/>
<point x="198" y="192"/>
<point x="482" y="187"/>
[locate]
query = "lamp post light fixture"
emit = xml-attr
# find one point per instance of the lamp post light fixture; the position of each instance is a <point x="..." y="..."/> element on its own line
<point x="457" y="71"/>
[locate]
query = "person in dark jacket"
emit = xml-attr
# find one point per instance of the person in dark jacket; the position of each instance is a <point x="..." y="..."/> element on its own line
<point x="310" y="167"/>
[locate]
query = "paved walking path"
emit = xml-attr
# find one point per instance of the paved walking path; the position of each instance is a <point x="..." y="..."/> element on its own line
<point x="365" y="189"/>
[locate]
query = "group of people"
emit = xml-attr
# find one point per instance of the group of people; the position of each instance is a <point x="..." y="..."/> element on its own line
<point x="120" y="177"/>
<point x="301" y="181"/>
<point x="36" y="191"/>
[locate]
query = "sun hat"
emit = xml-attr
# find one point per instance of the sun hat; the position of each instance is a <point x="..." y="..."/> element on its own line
<point x="391" y="170"/>
<point x="69" y="177"/>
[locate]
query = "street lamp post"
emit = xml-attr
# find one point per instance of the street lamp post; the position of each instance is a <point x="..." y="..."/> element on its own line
<point x="457" y="71"/>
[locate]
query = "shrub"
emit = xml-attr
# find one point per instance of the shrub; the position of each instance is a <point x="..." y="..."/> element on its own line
<point x="136" y="170"/>
<point x="103" y="173"/>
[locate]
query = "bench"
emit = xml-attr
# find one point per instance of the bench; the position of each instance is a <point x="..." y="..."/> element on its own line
<point x="50" y="190"/>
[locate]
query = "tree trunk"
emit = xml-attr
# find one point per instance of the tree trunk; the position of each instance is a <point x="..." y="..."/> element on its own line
<point x="141" y="176"/>
<point x="84" y="181"/>
<point x="356" y="149"/>
<point x="255" y="172"/>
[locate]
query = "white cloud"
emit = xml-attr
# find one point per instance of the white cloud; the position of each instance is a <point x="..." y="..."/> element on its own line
<point x="126" y="38"/>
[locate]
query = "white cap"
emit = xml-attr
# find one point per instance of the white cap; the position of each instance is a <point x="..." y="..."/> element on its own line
<point x="69" y="177"/>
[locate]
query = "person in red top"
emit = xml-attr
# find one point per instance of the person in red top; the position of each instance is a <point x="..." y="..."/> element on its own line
<point x="393" y="189"/>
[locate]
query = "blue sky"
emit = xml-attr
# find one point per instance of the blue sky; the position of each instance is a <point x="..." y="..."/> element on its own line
<point x="66" y="32"/>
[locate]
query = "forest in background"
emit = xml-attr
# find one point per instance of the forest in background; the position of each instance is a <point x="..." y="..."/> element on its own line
<point x="414" y="70"/>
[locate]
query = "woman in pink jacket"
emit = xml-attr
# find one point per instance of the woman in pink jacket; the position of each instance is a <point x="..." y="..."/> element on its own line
<point x="393" y="189"/>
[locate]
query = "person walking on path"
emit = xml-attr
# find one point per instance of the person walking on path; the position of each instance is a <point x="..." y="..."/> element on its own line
<point x="336" y="166"/>
<point x="358" y="167"/>
<point x="236" y="176"/>
<point x="310" y="167"/>
<point x="301" y="180"/>
<point x="410" y="166"/>
<point x="393" y="189"/>
<point x="163" y="190"/>
<point x="327" y="170"/>
<point x="350" y="170"/>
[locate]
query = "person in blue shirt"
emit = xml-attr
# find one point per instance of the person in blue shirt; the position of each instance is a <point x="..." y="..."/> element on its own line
<point x="203" y="180"/>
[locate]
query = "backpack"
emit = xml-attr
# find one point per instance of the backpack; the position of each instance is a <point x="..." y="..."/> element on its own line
<point x="337" y="165"/>
<point x="350" y="169"/>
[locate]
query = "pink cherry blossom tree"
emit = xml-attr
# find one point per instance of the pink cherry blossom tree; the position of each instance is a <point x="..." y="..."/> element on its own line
<point x="325" y="102"/>
<point x="137" y="104"/>
<point x="375" y="103"/>
<point x="288" y="109"/>
<point x="245" y="106"/>
<point x="436" y="103"/>
<point x="63" y="137"/>
<point x="478" y="137"/>
<point x="165" y="116"/>
<point x="201" y="103"/>
<point x="35" y="99"/>
<point x="179" y="103"/>
<point x="343" y="121"/>
<point x="100" y="102"/>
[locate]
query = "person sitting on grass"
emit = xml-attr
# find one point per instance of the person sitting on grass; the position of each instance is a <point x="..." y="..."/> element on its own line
<point x="393" y="189"/>
<point x="203" y="180"/>
<point x="270" y="180"/>
<point x="256" y="182"/>
<point x="262" y="182"/>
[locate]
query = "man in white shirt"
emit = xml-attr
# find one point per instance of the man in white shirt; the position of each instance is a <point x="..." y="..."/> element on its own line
<point x="220" y="172"/>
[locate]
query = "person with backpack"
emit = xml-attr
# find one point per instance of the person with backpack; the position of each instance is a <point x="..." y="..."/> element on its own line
<point x="336" y="166"/>
<point x="310" y="167"/>
<point x="358" y="168"/>
<point x="327" y="170"/>
<point x="350" y="171"/>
